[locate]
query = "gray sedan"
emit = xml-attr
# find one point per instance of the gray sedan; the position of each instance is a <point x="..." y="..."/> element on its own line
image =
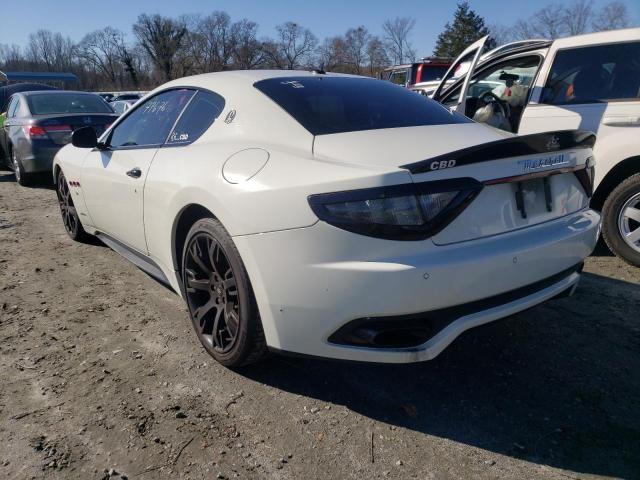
<point x="40" y="123"/>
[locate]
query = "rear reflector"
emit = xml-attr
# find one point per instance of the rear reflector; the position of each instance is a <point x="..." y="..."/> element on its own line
<point x="58" y="128"/>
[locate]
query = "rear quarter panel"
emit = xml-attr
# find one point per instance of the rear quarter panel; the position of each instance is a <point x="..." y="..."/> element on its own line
<point x="274" y="199"/>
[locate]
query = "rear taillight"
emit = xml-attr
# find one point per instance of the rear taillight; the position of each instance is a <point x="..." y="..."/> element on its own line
<point x="412" y="211"/>
<point x="41" y="132"/>
<point x="34" y="131"/>
<point x="419" y="73"/>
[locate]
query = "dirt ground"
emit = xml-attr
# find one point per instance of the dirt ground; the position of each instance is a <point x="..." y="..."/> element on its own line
<point x="101" y="375"/>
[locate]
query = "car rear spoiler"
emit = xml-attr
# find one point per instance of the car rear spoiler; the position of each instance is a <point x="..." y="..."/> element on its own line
<point x="517" y="146"/>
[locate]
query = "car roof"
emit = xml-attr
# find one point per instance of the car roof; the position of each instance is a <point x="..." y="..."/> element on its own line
<point x="235" y="79"/>
<point x="56" y="92"/>
<point x="609" y="36"/>
<point x="8" y="90"/>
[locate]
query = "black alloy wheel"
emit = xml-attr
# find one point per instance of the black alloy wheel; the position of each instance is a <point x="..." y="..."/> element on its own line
<point x="219" y="296"/>
<point x="68" y="210"/>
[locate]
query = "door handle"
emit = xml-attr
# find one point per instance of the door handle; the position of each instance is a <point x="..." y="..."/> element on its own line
<point x="135" y="172"/>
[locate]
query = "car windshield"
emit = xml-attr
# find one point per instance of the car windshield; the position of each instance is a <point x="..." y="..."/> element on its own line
<point x="45" y="104"/>
<point x="327" y="104"/>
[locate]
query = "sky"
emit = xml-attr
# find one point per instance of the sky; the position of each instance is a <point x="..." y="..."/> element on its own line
<point x="74" y="18"/>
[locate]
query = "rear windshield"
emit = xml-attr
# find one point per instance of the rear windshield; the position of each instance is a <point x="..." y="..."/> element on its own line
<point x="44" y="104"/>
<point x="431" y="73"/>
<point x="325" y="104"/>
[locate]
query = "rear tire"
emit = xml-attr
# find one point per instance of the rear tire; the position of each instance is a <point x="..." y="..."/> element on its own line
<point x="70" y="217"/>
<point x="22" y="178"/>
<point x="621" y="220"/>
<point x="221" y="302"/>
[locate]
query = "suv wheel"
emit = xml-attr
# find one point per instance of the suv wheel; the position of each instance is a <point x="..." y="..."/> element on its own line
<point x="621" y="220"/>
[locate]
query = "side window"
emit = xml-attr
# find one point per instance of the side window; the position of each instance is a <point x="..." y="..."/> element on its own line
<point x="150" y="122"/>
<point x="202" y="111"/>
<point x="399" y="77"/>
<point x="594" y="74"/>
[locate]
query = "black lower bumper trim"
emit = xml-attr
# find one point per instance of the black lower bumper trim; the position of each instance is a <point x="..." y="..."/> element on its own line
<point x="406" y="331"/>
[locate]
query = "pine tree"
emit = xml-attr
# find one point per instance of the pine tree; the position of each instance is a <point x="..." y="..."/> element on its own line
<point x="467" y="27"/>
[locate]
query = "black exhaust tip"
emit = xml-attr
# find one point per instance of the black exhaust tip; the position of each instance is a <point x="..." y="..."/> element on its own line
<point x="378" y="334"/>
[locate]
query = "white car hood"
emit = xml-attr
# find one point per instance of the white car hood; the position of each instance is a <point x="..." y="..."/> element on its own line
<point x="392" y="147"/>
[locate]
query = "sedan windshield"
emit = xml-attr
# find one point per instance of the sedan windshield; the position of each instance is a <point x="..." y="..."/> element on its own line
<point x="326" y="104"/>
<point x="45" y="104"/>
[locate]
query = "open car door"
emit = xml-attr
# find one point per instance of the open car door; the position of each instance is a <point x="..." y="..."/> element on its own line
<point x="467" y="59"/>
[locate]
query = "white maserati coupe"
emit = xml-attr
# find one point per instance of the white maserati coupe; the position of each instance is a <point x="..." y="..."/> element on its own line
<point x="331" y="215"/>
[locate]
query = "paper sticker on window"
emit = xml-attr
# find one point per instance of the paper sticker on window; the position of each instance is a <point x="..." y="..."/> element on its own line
<point x="179" y="137"/>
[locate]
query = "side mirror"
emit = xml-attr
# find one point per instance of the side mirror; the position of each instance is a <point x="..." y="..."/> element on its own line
<point x="84" y="137"/>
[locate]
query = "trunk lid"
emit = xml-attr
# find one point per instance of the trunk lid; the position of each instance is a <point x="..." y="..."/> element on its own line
<point x="526" y="180"/>
<point x="394" y="147"/>
<point x="60" y="127"/>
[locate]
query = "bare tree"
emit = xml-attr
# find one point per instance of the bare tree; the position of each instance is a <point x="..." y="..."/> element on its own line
<point x="11" y="57"/>
<point x="577" y="16"/>
<point x="548" y="22"/>
<point x="376" y="56"/>
<point x="501" y="34"/>
<point x="396" y="35"/>
<point x="210" y="42"/>
<point x="293" y="47"/>
<point x="101" y="50"/>
<point x="129" y="65"/>
<point x="356" y="41"/>
<point x="51" y="50"/>
<point x="272" y="54"/>
<point x="612" y="16"/>
<point x="161" y="38"/>
<point x="332" y="54"/>
<point x="247" y="50"/>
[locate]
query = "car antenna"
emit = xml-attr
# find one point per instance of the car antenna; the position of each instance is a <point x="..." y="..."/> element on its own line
<point x="319" y="70"/>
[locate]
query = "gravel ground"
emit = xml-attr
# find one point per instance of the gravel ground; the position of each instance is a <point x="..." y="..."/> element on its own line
<point x="100" y="374"/>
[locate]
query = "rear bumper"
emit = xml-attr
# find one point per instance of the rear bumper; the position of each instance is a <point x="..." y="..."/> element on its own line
<point x="39" y="158"/>
<point x="311" y="282"/>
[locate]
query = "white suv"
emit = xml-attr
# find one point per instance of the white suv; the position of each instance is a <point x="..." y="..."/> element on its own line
<point x="589" y="82"/>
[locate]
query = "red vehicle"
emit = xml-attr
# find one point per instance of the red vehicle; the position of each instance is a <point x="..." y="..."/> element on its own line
<point x="430" y="69"/>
